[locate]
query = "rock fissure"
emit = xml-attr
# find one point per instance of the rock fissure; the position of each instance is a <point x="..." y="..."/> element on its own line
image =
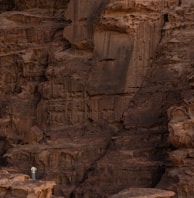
<point x="90" y="170"/>
<point x="84" y="91"/>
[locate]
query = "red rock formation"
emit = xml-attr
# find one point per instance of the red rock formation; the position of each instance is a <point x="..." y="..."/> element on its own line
<point x="144" y="192"/>
<point x="179" y="173"/>
<point x="85" y="87"/>
<point x="19" y="185"/>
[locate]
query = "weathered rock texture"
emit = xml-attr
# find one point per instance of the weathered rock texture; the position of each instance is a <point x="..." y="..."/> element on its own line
<point x="144" y="193"/>
<point x="21" y="186"/>
<point x="179" y="173"/>
<point x="85" y="86"/>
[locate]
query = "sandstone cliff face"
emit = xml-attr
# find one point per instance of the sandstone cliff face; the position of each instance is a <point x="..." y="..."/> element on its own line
<point x="19" y="185"/>
<point x="179" y="172"/>
<point x="85" y="87"/>
<point x="144" y="192"/>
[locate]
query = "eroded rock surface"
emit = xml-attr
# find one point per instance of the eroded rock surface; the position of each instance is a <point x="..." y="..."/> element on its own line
<point x="14" y="185"/>
<point x="179" y="173"/>
<point x="143" y="193"/>
<point x="85" y="87"/>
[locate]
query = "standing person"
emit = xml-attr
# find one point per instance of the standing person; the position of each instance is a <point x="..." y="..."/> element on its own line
<point x="33" y="171"/>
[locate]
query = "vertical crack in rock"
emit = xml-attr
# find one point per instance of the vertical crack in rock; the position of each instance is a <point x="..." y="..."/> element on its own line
<point x="90" y="169"/>
<point x="165" y="21"/>
<point x="84" y="95"/>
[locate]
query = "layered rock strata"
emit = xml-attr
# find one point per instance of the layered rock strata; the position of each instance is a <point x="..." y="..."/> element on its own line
<point x="179" y="173"/>
<point x="143" y="193"/>
<point x="85" y="86"/>
<point x="15" y="185"/>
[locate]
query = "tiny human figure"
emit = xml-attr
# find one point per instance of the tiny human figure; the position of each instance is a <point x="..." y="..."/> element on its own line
<point x="33" y="170"/>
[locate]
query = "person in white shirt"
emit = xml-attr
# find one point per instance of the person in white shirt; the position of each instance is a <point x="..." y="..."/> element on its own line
<point x="33" y="171"/>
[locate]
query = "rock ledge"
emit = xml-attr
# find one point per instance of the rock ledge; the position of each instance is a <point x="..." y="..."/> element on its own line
<point x="144" y="193"/>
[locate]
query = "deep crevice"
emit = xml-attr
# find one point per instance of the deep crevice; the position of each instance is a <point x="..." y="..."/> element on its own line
<point x="4" y="147"/>
<point x="166" y="19"/>
<point x="91" y="168"/>
<point x="107" y="59"/>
